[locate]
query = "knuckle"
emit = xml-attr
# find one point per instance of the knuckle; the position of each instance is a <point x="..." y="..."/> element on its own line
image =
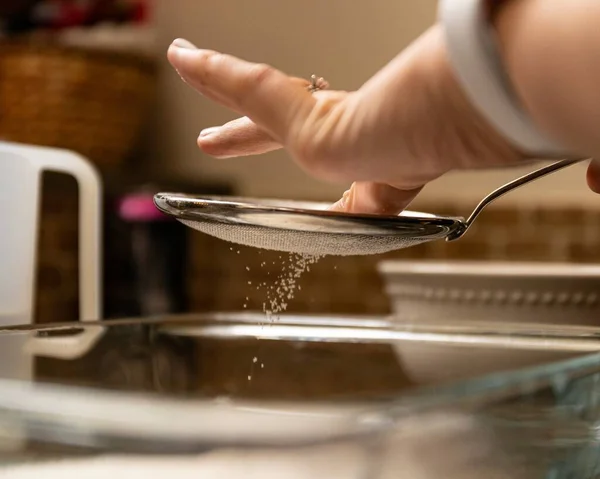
<point x="259" y="74"/>
<point x="314" y="155"/>
<point x="305" y="153"/>
<point x="205" y="66"/>
<point x="318" y="146"/>
<point x="256" y="76"/>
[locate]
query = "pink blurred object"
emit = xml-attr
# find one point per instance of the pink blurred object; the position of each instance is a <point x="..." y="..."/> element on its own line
<point x="140" y="207"/>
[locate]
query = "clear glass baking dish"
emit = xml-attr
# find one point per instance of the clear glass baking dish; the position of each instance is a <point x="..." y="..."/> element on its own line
<point x="222" y="395"/>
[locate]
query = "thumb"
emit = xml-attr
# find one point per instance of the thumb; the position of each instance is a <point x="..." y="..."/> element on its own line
<point x="374" y="198"/>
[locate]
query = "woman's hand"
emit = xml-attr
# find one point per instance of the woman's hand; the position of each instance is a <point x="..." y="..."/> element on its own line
<point x="408" y="125"/>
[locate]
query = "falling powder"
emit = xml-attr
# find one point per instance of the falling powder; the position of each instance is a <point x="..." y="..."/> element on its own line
<point x="284" y="287"/>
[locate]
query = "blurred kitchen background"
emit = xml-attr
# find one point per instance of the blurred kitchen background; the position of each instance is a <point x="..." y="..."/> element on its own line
<point x="92" y="76"/>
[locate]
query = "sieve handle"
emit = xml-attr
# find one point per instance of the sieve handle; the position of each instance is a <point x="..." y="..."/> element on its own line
<point x="513" y="185"/>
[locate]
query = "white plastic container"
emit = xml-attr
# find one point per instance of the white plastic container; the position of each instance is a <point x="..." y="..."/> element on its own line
<point x="21" y="167"/>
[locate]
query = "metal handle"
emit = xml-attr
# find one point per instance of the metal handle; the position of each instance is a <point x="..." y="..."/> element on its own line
<point x="523" y="180"/>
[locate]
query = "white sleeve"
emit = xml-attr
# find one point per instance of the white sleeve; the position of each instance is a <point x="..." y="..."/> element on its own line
<point x="476" y="61"/>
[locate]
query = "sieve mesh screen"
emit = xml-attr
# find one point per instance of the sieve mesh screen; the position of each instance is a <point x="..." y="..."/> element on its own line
<point x="308" y="242"/>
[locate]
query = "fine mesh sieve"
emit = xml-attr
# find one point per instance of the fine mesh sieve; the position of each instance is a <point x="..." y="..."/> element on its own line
<point x="306" y="242"/>
<point x="310" y="228"/>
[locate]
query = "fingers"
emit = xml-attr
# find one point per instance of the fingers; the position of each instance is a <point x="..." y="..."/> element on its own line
<point x="184" y="44"/>
<point x="593" y="176"/>
<point x="243" y="137"/>
<point x="264" y="94"/>
<point x="375" y="198"/>
<point x="240" y="137"/>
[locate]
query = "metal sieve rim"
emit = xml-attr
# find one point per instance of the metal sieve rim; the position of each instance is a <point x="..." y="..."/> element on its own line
<point x="306" y="216"/>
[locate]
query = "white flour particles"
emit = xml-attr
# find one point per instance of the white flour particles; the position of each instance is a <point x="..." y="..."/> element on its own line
<point x="286" y="284"/>
<point x="283" y="288"/>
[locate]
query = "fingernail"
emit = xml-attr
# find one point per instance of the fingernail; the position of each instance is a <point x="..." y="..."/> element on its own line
<point x="342" y="203"/>
<point x="348" y="198"/>
<point x="338" y="206"/>
<point x="182" y="43"/>
<point x="209" y="131"/>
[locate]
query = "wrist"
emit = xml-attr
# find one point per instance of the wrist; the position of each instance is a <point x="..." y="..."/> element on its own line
<point x="554" y="88"/>
<point x="470" y="141"/>
<point x="475" y="55"/>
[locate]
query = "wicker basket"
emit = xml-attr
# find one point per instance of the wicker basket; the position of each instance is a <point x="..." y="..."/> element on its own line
<point x="91" y="102"/>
